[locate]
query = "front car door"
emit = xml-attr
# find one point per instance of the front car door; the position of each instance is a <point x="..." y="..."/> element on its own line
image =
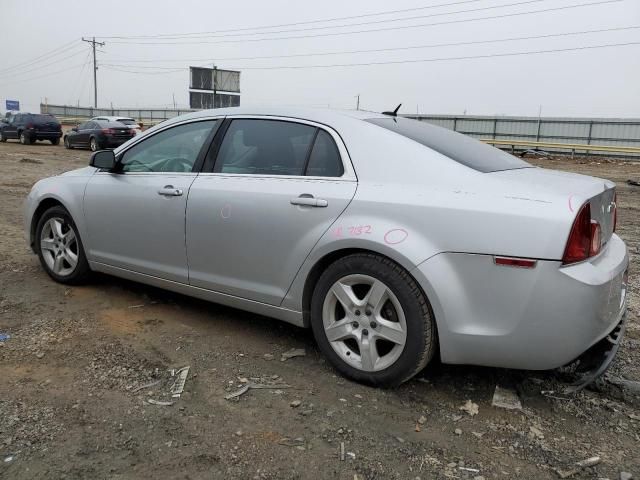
<point x="11" y="130"/>
<point x="136" y="217"/>
<point x="276" y="187"/>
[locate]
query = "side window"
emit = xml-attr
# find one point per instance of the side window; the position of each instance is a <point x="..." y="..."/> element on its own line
<point x="173" y="150"/>
<point x="265" y="147"/>
<point x="83" y="126"/>
<point x="325" y="158"/>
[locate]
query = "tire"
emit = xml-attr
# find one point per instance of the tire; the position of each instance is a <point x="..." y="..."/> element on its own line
<point x="2" y="138"/>
<point x="67" y="144"/>
<point x="402" y="314"/>
<point x="65" y="271"/>
<point x="94" y="145"/>
<point x="55" y="141"/>
<point x="24" y="138"/>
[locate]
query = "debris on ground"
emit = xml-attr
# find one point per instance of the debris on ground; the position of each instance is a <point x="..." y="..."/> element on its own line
<point x="628" y="384"/>
<point x="4" y="336"/>
<point x="178" y="385"/>
<point x="626" y="476"/>
<point x="146" y="385"/>
<point x="291" y="442"/>
<point x="351" y="455"/>
<point x="470" y="407"/>
<point x="470" y="470"/>
<point x="8" y="459"/>
<point x="342" y="451"/>
<point x="140" y="305"/>
<point x="506" y="398"/>
<point x="635" y="183"/>
<point x="535" y="432"/>
<point x="457" y="431"/>
<point x="294" y="352"/>
<point x="31" y="160"/>
<point x="159" y="402"/>
<point x="249" y="386"/>
<point x="589" y="462"/>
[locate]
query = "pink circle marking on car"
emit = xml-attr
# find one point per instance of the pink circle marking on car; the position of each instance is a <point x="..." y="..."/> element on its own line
<point x="395" y="236"/>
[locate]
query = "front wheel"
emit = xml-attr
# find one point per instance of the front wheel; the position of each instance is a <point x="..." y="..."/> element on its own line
<point x="24" y="139"/>
<point x="93" y="145"/>
<point x="2" y="137"/>
<point x="67" y="143"/>
<point x="59" y="247"/>
<point x="55" y="141"/>
<point x="372" y="320"/>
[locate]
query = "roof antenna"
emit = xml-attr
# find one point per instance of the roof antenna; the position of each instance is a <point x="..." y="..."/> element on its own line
<point x="394" y="113"/>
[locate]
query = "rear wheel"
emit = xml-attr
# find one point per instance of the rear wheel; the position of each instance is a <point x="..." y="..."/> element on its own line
<point x="24" y="138"/>
<point x="372" y="321"/>
<point x="55" y="141"/>
<point x="59" y="247"/>
<point x="67" y="144"/>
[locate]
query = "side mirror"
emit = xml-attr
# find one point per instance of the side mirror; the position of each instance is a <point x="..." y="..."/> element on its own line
<point x="104" y="159"/>
<point x="74" y="129"/>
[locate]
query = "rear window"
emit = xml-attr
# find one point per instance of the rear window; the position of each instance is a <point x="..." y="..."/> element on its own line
<point x="39" y="118"/>
<point x="127" y="121"/>
<point x="109" y="124"/>
<point x="460" y="148"/>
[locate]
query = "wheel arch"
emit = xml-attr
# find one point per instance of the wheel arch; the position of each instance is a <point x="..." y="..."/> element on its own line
<point x="320" y="266"/>
<point x="44" y="205"/>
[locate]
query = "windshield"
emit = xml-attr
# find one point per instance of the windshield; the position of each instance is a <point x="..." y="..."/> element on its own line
<point x="460" y="148"/>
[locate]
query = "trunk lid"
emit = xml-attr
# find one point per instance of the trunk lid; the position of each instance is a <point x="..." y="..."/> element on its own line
<point x="572" y="189"/>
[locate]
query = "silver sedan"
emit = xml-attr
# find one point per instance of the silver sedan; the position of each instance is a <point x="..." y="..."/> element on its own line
<point x="393" y="239"/>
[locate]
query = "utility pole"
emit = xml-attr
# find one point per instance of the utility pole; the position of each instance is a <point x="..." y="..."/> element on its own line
<point x="95" y="69"/>
<point x="358" y="102"/>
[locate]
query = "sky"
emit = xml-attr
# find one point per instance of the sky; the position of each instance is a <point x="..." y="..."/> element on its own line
<point x="409" y="57"/>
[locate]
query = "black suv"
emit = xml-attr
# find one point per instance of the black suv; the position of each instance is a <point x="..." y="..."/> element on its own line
<point x="29" y="127"/>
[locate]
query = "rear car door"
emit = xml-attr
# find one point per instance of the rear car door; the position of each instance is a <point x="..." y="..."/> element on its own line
<point x="254" y="218"/>
<point x="136" y="217"/>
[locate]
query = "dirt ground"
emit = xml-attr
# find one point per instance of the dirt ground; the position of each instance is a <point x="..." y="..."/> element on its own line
<point x="72" y="406"/>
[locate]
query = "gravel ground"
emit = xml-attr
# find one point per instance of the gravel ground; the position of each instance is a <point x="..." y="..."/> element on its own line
<point x="82" y="364"/>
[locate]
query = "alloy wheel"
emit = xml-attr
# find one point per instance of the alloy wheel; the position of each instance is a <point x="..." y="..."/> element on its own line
<point x="59" y="246"/>
<point x="364" y="322"/>
<point x="93" y="145"/>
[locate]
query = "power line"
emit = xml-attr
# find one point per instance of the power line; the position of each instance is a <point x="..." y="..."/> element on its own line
<point x="43" y="76"/>
<point x="401" y="27"/>
<point x="62" y="48"/>
<point x="374" y="22"/>
<point x="424" y="60"/>
<point x="40" y="67"/>
<point x="373" y="50"/>
<point x="309" y="22"/>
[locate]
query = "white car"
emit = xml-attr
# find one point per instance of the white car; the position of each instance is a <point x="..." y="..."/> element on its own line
<point x="129" y="122"/>
<point x="394" y="240"/>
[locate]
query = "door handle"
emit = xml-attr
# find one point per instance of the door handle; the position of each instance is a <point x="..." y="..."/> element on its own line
<point x="309" y="201"/>
<point x="170" y="191"/>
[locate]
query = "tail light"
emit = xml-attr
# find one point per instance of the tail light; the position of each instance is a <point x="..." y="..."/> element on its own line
<point x="29" y="125"/>
<point x="585" y="238"/>
<point x="108" y="131"/>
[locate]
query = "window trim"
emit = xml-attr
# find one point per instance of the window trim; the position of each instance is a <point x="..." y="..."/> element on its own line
<point x="348" y="174"/>
<point x="197" y="166"/>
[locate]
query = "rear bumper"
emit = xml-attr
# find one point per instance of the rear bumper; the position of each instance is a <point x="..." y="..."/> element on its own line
<point x="110" y="142"/>
<point x="38" y="135"/>
<point x="536" y="319"/>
